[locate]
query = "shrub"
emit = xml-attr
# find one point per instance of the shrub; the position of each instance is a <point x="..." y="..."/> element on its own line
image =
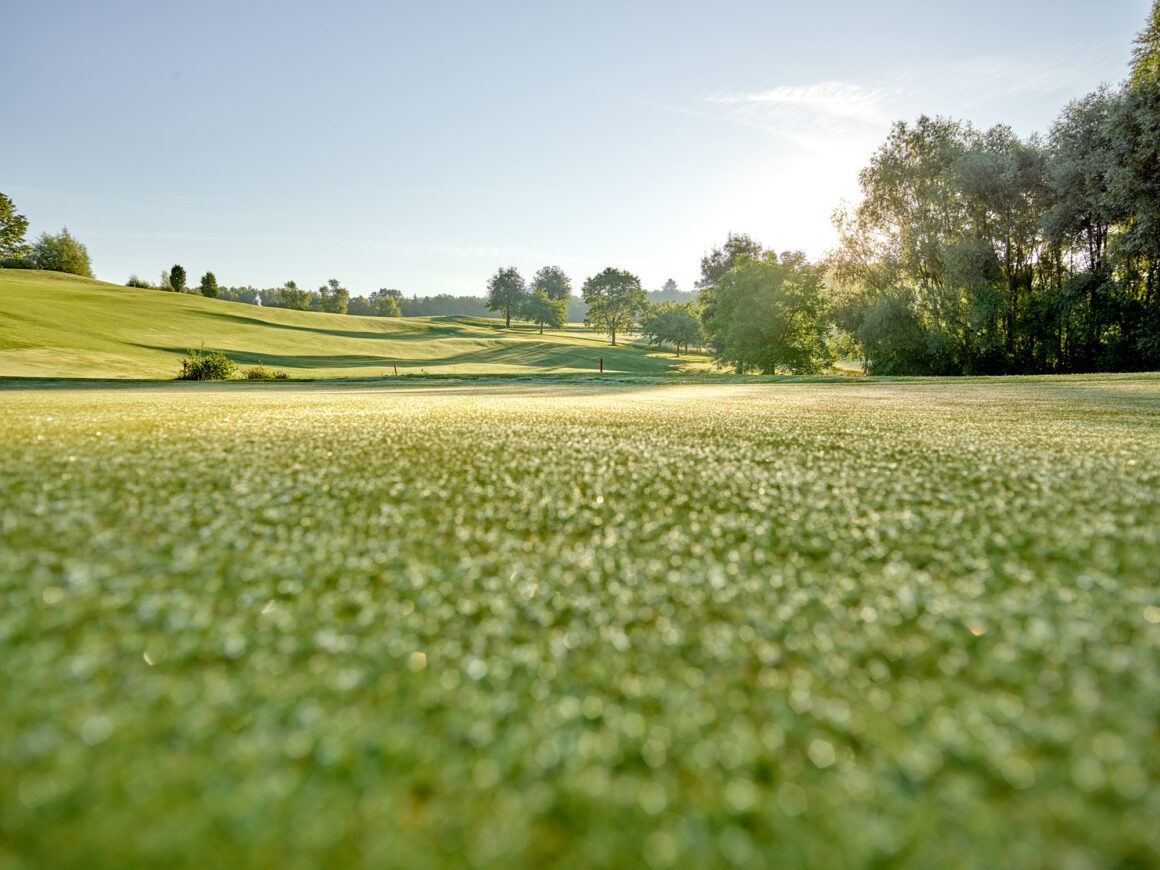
<point x="134" y="281"/>
<point x="202" y="366"/>
<point x="261" y="373"/>
<point x="62" y="253"/>
<point x="23" y="262"/>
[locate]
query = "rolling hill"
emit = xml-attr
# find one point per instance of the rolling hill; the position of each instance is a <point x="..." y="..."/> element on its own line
<point x="54" y="325"/>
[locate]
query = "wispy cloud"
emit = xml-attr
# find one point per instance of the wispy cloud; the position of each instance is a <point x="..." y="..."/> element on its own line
<point x="830" y="116"/>
<point x="821" y="117"/>
<point x="829" y="101"/>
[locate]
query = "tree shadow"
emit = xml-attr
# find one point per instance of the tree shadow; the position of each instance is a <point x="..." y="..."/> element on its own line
<point x="419" y="332"/>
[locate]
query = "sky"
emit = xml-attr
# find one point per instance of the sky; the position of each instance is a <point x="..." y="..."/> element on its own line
<point x="424" y="145"/>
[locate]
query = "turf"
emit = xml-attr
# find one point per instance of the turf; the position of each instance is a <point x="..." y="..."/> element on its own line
<point x="61" y="326"/>
<point x="423" y="625"/>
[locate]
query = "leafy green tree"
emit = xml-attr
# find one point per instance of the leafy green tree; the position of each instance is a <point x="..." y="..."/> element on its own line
<point x="671" y="323"/>
<point x="385" y="303"/>
<point x="62" y="253"/>
<point x="359" y="306"/>
<point x="209" y="285"/>
<point x="718" y="262"/>
<point x="1146" y="53"/>
<point x="177" y="279"/>
<point x="13" y="226"/>
<point x="506" y="293"/>
<point x="333" y="297"/>
<point x="715" y="265"/>
<point x="771" y="315"/>
<point x="540" y="308"/>
<point x="615" y="301"/>
<point x="553" y="281"/>
<point x="293" y="297"/>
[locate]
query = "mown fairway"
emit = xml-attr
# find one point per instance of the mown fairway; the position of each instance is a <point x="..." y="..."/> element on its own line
<point x="863" y="625"/>
<point x="61" y="326"/>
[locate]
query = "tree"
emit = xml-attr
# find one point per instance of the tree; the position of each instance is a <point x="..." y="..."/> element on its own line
<point x="294" y="298"/>
<point x="615" y="301"/>
<point x="671" y="323"/>
<point x="1146" y="53"/>
<point x="385" y="303"/>
<point x="209" y="286"/>
<point x="333" y="297"/>
<point x="717" y="264"/>
<point x="62" y="253"/>
<point x="540" y="308"/>
<point x="719" y="261"/>
<point x="177" y="279"/>
<point x="553" y="281"/>
<point x="506" y="292"/>
<point x="360" y="306"/>
<point x="13" y="226"/>
<point x="771" y="315"/>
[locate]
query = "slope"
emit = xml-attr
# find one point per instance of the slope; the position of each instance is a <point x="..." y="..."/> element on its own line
<point x="61" y="326"/>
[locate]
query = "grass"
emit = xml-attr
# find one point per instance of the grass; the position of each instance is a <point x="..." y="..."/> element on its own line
<point x="54" y="325"/>
<point x="547" y="625"/>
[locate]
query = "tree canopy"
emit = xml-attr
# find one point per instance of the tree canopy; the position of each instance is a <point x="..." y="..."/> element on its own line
<point x="553" y="281"/>
<point x="615" y="301"/>
<point x="13" y="226"/>
<point x="333" y="297"/>
<point x="770" y="316"/>
<point x="385" y="303"/>
<point x="177" y="278"/>
<point x="292" y="297"/>
<point x="671" y="323"/>
<point x="209" y="285"/>
<point x="62" y="253"/>
<point x="506" y="293"/>
<point x="542" y="309"/>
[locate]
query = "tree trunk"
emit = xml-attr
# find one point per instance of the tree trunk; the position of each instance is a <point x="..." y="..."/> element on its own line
<point x="508" y="322"/>
<point x="541" y="328"/>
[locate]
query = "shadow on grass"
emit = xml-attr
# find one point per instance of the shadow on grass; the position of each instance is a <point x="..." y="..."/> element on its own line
<point x="543" y="356"/>
<point x="426" y="331"/>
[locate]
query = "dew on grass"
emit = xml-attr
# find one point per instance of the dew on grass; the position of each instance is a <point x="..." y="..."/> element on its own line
<point x="688" y="625"/>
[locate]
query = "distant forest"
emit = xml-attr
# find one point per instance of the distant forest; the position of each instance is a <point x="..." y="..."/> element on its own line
<point x="439" y="305"/>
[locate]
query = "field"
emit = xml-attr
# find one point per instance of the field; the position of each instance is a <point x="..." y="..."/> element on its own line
<point x="409" y="624"/>
<point x="60" y="326"/>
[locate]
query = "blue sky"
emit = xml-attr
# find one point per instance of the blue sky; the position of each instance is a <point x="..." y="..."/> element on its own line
<point x="424" y="145"/>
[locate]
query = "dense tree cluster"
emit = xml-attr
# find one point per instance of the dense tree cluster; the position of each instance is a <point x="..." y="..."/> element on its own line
<point x="980" y="252"/>
<point x="671" y="323"/>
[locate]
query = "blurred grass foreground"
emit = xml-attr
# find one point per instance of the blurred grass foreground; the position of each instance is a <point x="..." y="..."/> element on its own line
<point x="435" y="625"/>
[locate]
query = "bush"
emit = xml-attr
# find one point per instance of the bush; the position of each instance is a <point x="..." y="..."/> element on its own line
<point x="134" y="281"/>
<point x="24" y="262"/>
<point x="261" y="373"/>
<point x="202" y="366"/>
<point x="62" y="253"/>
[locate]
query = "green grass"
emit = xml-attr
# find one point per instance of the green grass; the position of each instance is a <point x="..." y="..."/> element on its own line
<point x="420" y="625"/>
<point x="54" y="325"/>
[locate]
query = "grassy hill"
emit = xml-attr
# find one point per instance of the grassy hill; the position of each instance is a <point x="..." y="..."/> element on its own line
<point x="62" y="326"/>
